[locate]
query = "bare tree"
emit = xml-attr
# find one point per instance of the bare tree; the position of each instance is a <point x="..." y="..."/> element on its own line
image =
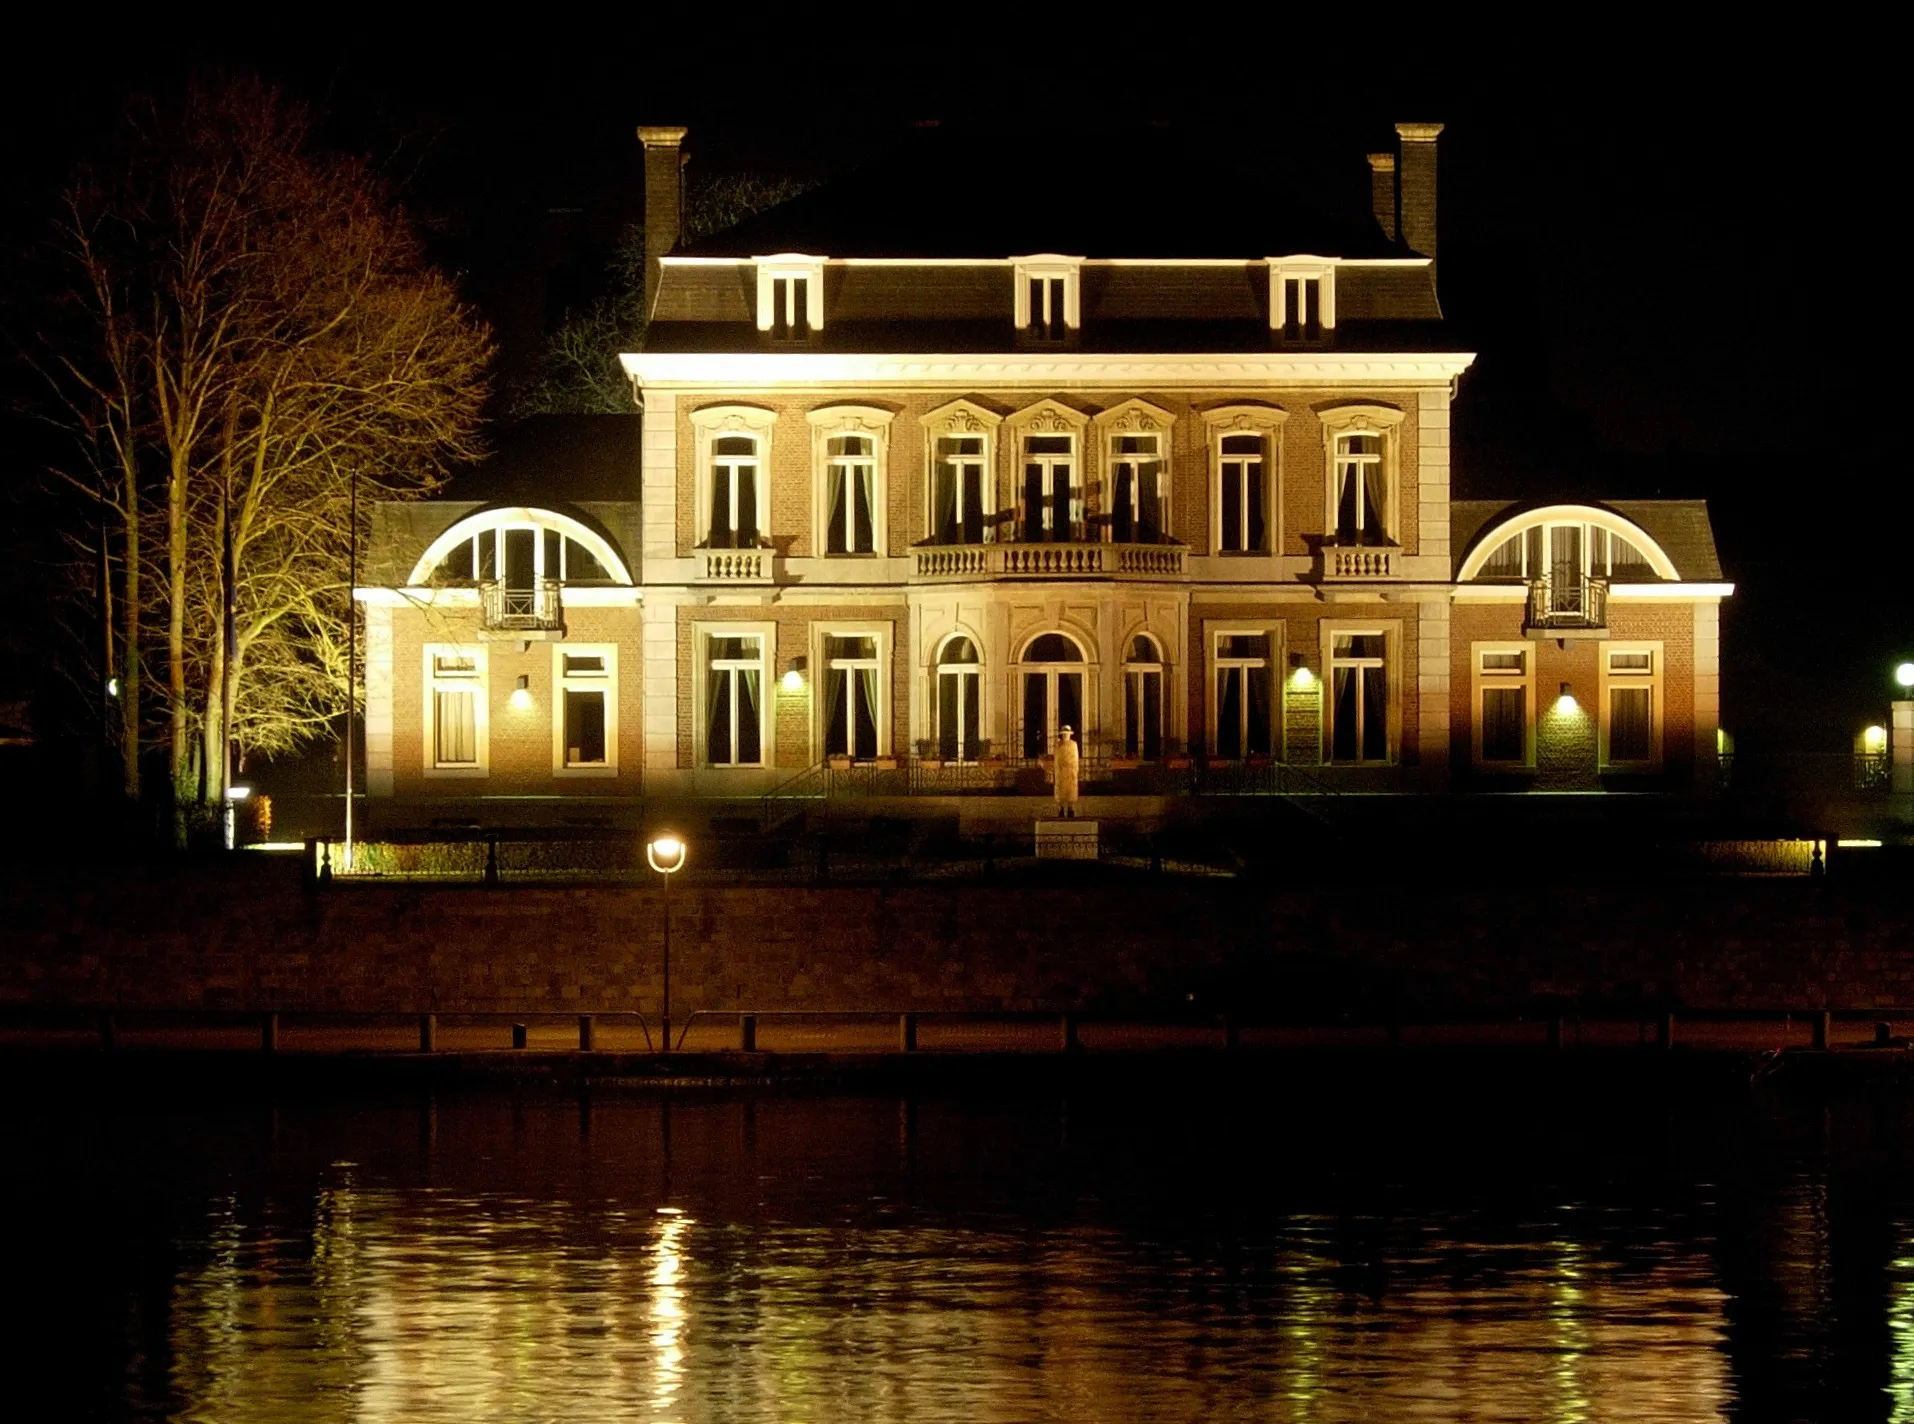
<point x="262" y="339"/>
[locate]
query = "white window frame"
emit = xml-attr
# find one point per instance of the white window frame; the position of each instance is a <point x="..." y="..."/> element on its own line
<point x="1266" y="423"/>
<point x="1133" y="418"/>
<point x="1586" y="530"/>
<point x="1087" y="667"/>
<point x="787" y="267"/>
<point x="1160" y="669"/>
<point x="821" y="635"/>
<point x="701" y="637"/>
<point x="974" y="671"/>
<point x="605" y="682"/>
<point x="961" y="420"/>
<point x="1272" y="633"/>
<point x="495" y="521"/>
<point x="710" y="425"/>
<point x="1047" y="419"/>
<point x="1283" y="271"/>
<point x="1046" y="267"/>
<point x="1383" y="422"/>
<point x="1391" y="664"/>
<point x="479" y="683"/>
<point x="867" y="422"/>
<point x="1482" y="679"/>
<point x="1653" y="680"/>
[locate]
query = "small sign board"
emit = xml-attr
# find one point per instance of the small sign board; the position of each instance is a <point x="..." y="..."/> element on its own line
<point x="1066" y="840"/>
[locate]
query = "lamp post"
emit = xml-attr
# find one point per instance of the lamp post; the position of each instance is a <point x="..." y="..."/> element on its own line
<point x="667" y="856"/>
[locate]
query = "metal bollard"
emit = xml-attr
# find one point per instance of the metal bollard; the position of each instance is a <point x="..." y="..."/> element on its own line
<point x="1823" y="1029"/>
<point x="518" y="1035"/>
<point x="907" y="1033"/>
<point x="269" y="1033"/>
<point x="428" y="1033"/>
<point x="1067" y="1041"/>
<point x="586" y="1033"/>
<point x="1883" y="1034"/>
<point x="1665" y="1031"/>
<point x="747" y="1033"/>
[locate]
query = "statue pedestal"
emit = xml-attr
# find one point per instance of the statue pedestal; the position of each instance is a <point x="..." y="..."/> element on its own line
<point x="1067" y="840"/>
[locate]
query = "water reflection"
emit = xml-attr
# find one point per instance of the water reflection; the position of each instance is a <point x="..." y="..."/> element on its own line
<point x="845" y="1259"/>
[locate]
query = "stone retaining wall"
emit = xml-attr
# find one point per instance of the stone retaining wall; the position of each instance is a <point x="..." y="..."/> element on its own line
<point x="257" y="940"/>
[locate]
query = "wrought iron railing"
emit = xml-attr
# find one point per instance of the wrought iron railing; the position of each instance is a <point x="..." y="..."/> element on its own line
<point x="1561" y="602"/>
<point x="521" y="608"/>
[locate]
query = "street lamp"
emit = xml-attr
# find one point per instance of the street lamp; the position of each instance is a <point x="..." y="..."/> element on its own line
<point x="666" y="853"/>
<point x="1904" y="675"/>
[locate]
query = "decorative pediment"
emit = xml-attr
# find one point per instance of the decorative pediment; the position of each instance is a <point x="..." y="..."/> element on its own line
<point x="1135" y="416"/>
<point x="1244" y="419"/>
<point x="1049" y="417"/>
<point x="718" y="419"/>
<point x="961" y="417"/>
<point x="864" y="419"/>
<point x="1351" y="415"/>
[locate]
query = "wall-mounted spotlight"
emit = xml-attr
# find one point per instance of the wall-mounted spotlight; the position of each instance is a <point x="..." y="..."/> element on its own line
<point x="793" y="679"/>
<point x="1565" y="704"/>
<point x="1299" y="673"/>
<point x="522" y="694"/>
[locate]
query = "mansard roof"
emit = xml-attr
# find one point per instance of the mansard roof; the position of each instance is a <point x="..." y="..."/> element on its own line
<point x="1146" y="192"/>
<point x="1680" y="526"/>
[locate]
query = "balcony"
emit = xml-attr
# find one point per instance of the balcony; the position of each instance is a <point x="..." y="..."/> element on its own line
<point x="1567" y="607"/>
<point x="959" y="563"/>
<point x="734" y="566"/>
<point x="532" y="612"/>
<point x="1359" y="563"/>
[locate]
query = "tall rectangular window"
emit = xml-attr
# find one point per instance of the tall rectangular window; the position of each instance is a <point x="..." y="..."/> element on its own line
<point x="1631" y="710"/>
<point x="734" y="517"/>
<point x="851" y="696"/>
<point x="959" y="722"/>
<point x="734" y="699"/>
<point x="1137" y="495"/>
<point x="957" y="490"/>
<point x="1242" y="720"/>
<point x="850" y="476"/>
<point x="1503" y="693"/>
<point x="1048" y="313"/>
<point x="1240" y="493"/>
<point x="1358" y="697"/>
<point x="1302" y="308"/>
<point x="790" y="308"/>
<point x="1362" y="491"/>
<point x="586" y="714"/>
<point x="1052" y="502"/>
<point x="455" y="712"/>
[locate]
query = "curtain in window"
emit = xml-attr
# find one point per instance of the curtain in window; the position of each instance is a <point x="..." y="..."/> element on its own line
<point x="718" y="741"/>
<point x="1253" y="500"/>
<point x="950" y="696"/>
<point x="1504" y="724"/>
<point x="455" y="721"/>
<point x="1232" y="515"/>
<point x="834" y="502"/>
<point x="836" y="728"/>
<point x="973" y="478"/>
<point x="1375" y="715"/>
<point x="747" y="478"/>
<point x="1256" y="738"/>
<point x="1060" y="504"/>
<point x="1375" y="499"/>
<point x="1036" y="714"/>
<point x="1070" y="702"/>
<point x="720" y="507"/>
<point x="862" y="517"/>
<point x="1630" y="723"/>
<point x="1346" y="496"/>
<point x="866" y="713"/>
<point x="1143" y="715"/>
<point x="750" y="734"/>
<point x="1343" y="744"/>
<point x="1149" y="503"/>
<point x="943" y="520"/>
<point x="1122" y="527"/>
<point x="1229" y="713"/>
<point x="1033" y="503"/>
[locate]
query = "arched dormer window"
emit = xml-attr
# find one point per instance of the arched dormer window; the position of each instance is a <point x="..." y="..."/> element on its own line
<point x="1574" y="539"/>
<point x="519" y="547"/>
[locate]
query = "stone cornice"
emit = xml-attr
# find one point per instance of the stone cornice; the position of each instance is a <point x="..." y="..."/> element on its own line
<point x="763" y="369"/>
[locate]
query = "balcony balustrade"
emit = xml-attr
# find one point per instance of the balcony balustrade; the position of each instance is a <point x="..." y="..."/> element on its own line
<point x="734" y="566"/>
<point x="521" y="611"/>
<point x="953" y="563"/>
<point x="1352" y="563"/>
<point x="1565" y="606"/>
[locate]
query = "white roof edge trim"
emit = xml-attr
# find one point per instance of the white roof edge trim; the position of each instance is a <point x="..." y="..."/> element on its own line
<point x="744" y="368"/>
<point x="1084" y="261"/>
<point x="519" y="514"/>
<point x="1493" y="536"/>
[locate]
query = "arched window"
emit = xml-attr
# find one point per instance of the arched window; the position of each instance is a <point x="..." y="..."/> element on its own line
<point x="520" y="549"/>
<point x="735" y="482"/>
<point x="1143" y="700"/>
<point x="958" y="686"/>
<point x="1564" y="552"/>
<point x="1053" y="682"/>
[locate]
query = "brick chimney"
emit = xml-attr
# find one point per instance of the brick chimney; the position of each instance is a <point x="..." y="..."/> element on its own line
<point x="1417" y="186"/>
<point x="664" y="199"/>
<point x="1382" y="191"/>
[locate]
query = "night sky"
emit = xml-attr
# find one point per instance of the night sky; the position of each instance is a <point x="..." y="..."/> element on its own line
<point x="1672" y="256"/>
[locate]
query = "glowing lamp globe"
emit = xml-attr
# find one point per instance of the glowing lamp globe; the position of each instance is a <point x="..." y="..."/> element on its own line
<point x="666" y="854"/>
<point x="1904" y="675"/>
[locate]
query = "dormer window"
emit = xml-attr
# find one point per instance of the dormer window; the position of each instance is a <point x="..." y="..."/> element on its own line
<point x="1048" y="308"/>
<point x="790" y="297"/>
<point x="1302" y="299"/>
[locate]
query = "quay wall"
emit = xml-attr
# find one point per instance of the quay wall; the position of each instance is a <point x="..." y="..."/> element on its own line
<point x="221" y="939"/>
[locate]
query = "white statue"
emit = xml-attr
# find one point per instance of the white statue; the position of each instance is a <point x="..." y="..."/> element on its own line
<point x="1066" y="765"/>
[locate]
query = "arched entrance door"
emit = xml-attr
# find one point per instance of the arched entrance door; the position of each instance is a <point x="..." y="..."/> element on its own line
<point x="1053" y="672"/>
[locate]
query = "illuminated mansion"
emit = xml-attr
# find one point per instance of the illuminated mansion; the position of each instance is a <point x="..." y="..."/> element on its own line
<point x="914" y="486"/>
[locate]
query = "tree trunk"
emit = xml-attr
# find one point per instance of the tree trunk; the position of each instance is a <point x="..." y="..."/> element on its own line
<point x="130" y="680"/>
<point x="180" y="742"/>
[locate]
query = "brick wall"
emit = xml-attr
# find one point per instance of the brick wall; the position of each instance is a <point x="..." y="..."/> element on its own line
<point x="255" y="941"/>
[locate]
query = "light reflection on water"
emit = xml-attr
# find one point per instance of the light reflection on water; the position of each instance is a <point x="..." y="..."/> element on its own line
<point x="852" y="1260"/>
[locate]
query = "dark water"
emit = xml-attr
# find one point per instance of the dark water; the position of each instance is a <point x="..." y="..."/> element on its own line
<point x="1292" y="1248"/>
